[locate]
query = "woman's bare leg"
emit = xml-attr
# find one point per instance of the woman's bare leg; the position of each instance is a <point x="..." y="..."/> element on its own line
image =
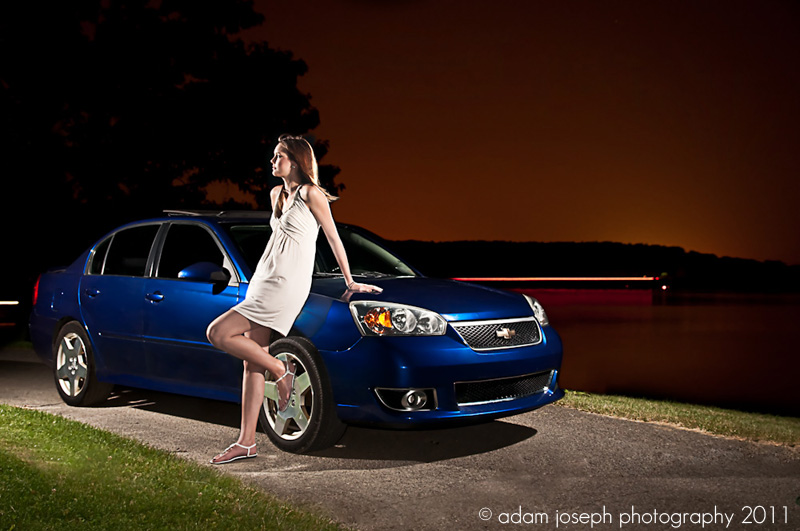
<point x="240" y="337"/>
<point x="248" y="341"/>
<point x="227" y="332"/>
<point x="253" y="388"/>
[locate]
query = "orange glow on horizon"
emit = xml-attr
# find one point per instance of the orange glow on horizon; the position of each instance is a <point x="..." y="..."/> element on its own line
<point x="531" y="136"/>
<point x="554" y="279"/>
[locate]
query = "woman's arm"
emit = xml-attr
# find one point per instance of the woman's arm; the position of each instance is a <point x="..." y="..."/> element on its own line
<point x="321" y="209"/>
<point x="273" y="195"/>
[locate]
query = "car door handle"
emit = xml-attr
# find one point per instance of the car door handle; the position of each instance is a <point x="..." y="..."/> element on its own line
<point x="154" y="297"/>
<point x="91" y="293"/>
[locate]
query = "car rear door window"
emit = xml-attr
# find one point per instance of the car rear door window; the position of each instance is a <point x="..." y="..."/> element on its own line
<point x="98" y="258"/>
<point x="129" y="250"/>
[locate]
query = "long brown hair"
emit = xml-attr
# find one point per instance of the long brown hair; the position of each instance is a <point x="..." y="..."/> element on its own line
<point x="301" y="154"/>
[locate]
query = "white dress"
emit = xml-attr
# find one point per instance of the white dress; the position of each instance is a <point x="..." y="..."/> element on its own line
<point x="282" y="280"/>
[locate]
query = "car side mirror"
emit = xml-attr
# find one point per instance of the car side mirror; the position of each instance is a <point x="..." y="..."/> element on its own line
<point x="205" y="272"/>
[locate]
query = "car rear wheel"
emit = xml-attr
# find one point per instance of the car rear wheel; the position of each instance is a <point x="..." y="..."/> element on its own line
<point x="309" y="422"/>
<point x="74" y="373"/>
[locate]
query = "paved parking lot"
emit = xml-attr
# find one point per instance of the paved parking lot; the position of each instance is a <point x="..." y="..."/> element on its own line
<point x="548" y="468"/>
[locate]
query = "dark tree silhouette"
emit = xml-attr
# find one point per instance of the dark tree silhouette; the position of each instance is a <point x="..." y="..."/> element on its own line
<point x="115" y="109"/>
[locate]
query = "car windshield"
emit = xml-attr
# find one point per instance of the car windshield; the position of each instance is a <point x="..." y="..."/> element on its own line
<point x="366" y="257"/>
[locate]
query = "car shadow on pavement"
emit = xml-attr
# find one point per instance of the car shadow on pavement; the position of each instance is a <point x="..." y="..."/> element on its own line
<point x="358" y="443"/>
<point x="189" y="407"/>
<point x="427" y="446"/>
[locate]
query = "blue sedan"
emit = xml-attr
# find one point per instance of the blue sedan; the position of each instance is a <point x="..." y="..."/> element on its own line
<point x="133" y="311"/>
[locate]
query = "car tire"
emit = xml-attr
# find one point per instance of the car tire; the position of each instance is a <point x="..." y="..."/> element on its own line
<point x="310" y="421"/>
<point x="74" y="371"/>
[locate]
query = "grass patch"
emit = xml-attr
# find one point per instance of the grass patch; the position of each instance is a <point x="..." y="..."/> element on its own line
<point x="17" y="343"/>
<point x="55" y="472"/>
<point x="22" y="344"/>
<point x="714" y="420"/>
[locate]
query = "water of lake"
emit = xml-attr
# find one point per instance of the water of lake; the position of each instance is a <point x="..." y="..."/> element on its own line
<point x="730" y="350"/>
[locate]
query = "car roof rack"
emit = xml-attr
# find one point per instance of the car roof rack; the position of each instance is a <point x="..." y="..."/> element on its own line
<point x="220" y="213"/>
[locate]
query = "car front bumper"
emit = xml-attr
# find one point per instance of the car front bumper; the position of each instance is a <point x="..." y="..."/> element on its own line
<point x="508" y="381"/>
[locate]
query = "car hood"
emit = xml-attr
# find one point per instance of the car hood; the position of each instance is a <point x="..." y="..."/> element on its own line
<point x="455" y="301"/>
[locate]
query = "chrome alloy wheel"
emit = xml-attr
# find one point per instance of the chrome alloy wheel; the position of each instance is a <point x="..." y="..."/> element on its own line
<point x="291" y="423"/>
<point x="72" y="367"/>
<point x="310" y="421"/>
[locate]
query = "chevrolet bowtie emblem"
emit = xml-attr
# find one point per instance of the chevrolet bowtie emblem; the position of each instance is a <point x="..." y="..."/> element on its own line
<point x="506" y="333"/>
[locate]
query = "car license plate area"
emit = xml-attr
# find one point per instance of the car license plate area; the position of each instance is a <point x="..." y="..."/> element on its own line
<point x="501" y="389"/>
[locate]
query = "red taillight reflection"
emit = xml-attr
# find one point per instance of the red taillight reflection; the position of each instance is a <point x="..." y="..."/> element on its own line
<point x="36" y="290"/>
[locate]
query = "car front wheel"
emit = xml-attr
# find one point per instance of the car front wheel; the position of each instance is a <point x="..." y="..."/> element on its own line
<point x="75" y="377"/>
<point x="309" y="421"/>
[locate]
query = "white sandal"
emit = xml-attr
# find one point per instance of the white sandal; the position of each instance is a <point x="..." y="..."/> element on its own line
<point x="290" y="371"/>
<point x="229" y="448"/>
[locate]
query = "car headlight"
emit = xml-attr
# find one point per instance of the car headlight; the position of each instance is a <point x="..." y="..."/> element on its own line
<point x="538" y="310"/>
<point x="387" y="319"/>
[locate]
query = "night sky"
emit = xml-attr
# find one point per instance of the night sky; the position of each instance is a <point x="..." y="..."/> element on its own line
<point x="670" y="123"/>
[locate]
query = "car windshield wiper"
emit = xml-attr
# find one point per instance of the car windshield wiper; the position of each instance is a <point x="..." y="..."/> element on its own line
<point x="372" y="274"/>
<point x="365" y="274"/>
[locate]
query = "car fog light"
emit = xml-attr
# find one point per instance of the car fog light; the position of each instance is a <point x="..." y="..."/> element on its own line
<point x="407" y="399"/>
<point x="414" y="399"/>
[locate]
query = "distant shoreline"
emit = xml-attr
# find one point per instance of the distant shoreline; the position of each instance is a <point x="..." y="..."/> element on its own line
<point x="587" y="264"/>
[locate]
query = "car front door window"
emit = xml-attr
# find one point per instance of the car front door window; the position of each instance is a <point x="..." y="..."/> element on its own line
<point x="179" y="310"/>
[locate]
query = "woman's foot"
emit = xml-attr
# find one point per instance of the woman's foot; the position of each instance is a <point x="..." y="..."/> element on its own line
<point x="285" y="386"/>
<point x="234" y="452"/>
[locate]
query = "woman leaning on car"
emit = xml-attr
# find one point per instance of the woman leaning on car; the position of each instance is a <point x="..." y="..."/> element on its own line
<point x="280" y="286"/>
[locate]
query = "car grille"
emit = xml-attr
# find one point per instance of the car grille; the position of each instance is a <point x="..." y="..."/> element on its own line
<point x="502" y="389"/>
<point x="490" y="335"/>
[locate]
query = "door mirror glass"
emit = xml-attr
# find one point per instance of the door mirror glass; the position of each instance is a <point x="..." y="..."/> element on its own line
<point x="205" y="272"/>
